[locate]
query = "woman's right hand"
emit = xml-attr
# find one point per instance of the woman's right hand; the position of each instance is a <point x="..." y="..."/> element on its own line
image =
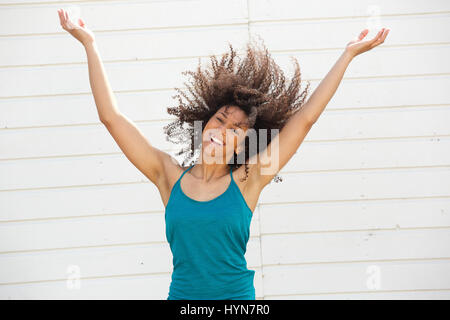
<point x="77" y="29"/>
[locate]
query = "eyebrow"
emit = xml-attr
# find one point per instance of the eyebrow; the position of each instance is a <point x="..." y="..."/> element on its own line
<point x="237" y="124"/>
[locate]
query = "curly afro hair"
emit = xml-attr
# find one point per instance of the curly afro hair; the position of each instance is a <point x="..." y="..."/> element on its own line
<point x="255" y="84"/>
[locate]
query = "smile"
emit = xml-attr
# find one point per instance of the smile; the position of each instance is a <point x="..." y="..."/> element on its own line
<point x="216" y="141"/>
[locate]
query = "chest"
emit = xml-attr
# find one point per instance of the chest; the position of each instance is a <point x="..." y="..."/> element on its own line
<point x="222" y="218"/>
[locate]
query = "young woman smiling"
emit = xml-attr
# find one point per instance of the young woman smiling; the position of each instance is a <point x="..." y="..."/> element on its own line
<point x="209" y="203"/>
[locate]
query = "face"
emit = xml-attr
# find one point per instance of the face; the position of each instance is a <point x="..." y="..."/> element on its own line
<point x="223" y="134"/>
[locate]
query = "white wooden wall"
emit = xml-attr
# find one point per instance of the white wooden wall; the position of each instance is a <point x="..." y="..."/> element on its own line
<point x="364" y="208"/>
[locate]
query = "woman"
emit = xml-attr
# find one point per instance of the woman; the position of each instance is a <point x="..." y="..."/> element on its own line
<point x="209" y="204"/>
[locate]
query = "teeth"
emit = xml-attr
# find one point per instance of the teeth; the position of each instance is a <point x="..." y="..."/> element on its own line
<point x="215" y="140"/>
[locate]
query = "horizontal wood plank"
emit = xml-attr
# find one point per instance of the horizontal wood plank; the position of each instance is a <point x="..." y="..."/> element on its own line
<point x="345" y="246"/>
<point x="357" y="277"/>
<point x="102" y="261"/>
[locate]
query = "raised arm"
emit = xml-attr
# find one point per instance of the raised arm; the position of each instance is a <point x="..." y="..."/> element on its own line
<point x="293" y="133"/>
<point x="148" y="159"/>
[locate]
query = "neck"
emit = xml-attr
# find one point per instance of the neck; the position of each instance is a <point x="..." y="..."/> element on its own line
<point x="209" y="172"/>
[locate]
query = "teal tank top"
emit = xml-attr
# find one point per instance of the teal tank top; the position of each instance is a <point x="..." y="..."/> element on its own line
<point x="208" y="240"/>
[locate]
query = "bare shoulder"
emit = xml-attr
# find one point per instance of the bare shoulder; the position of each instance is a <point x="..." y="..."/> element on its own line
<point x="172" y="170"/>
<point x="247" y="179"/>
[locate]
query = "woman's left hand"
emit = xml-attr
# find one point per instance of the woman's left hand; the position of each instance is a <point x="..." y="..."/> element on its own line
<point x="358" y="46"/>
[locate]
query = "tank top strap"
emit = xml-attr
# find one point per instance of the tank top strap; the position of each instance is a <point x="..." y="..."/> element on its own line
<point x="186" y="171"/>
<point x="178" y="181"/>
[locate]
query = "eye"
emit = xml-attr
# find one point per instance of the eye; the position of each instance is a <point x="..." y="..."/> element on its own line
<point x="219" y="119"/>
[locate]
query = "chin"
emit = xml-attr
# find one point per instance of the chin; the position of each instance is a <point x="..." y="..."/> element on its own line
<point x="209" y="152"/>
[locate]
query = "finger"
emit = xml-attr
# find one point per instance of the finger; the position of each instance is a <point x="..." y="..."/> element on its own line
<point x="363" y="34"/>
<point x="62" y="20"/>
<point x="63" y="16"/>
<point x="377" y="37"/>
<point x="381" y="38"/>
<point x="380" y="34"/>
<point x="386" y="33"/>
